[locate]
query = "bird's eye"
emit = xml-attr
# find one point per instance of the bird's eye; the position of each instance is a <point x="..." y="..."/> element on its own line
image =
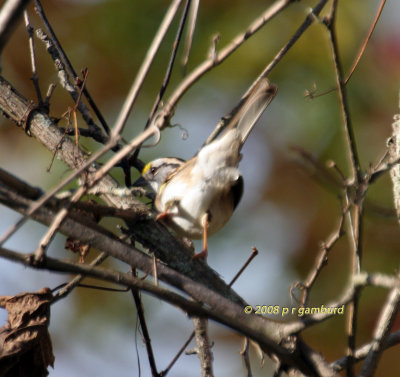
<point x="153" y="170"/>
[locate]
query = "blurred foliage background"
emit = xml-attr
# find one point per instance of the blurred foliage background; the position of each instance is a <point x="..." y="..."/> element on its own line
<point x="286" y="211"/>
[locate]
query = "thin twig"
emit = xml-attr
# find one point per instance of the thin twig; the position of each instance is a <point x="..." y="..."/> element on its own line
<point x="177" y="356"/>
<point x="68" y="288"/>
<point x="365" y="43"/>
<point x="10" y="14"/>
<point x="358" y="282"/>
<point x="68" y="84"/>
<point x="203" y="349"/>
<point x="254" y="253"/>
<point x="182" y="349"/>
<point x="63" y="66"/>
<point x="312" y="94"/>
<point x="394" y="154"/>
<point x="155" y="275"/>
<point x="355" y="212"/>
<point x="168" y="72"/>
<point x="194" y="9"/>
<point x="145" y="331"/>
<point x="222" y="55"/>
<point x="351" y="325"/>
<point x="49" y="93"/>
<point x="81" y="86"/>
<point x="321" y="172"/>
<point x="144" y="68"/>
<point x="381" y="333"/>
<point x="35" y="78"/>
<point x="344" y="106"/>
<point x="362" y="352"/>
<point x="174" y="51"/>
<point x="66" y="61"/>
<point x="298" y="33"/>
<point x="245" y="357"/>
<point x="322" y="260"/>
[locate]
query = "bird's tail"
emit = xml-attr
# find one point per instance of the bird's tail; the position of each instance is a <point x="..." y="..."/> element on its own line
<point x="251" y="108"/>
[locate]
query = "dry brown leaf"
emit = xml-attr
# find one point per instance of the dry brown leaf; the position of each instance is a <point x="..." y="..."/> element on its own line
<point x="25" y="344"/>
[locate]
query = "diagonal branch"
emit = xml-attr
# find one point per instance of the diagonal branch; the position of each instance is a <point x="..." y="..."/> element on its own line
<point x="343" y="101"/>
<point x="144" y="68"/>
<point x="381" y="333"/>
<point x="221" y="56"/>
<point x="10" y="14"/>
<point x="357" y="180"/>
<point x="223" y="305"/>
<point x="362" y="352"/>
<point x="66" y="61"/>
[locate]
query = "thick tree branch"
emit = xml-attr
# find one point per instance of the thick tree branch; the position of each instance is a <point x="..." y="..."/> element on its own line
<point x="227" y="316"/>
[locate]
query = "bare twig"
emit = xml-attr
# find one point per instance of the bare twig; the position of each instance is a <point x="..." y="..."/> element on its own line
<point x="9" y="16"/>
<point x="177" y="356"/>
<point x="35" y="78"/>
<point x="145" y="331"/>
<point x="171" y="62"/>
<point x="49" y="93"/>
<point x="355" y="213"/>
<point x="362" y="352"/>
<point x="348" y="295"/>
<point x="203" y="349"/>
<point x="254" y="253"/>
<point x="298" y="33"/>
<point x="144" y="68"/>
<point x="168" y="72"/>
<point x="344" y="107"/>
<point x="66" y="61"/>
<point x="322" y="259"/>
<point x="359" y="282"/>
<point x="354" y="304"/>
<point x="68" y="288"/>
<point x="394" y="153"/>
<point x="382" y="330"/>
<point x="222" y="55"/>
<point x="322" y="173"/>
<point x="194" y="8"/>
<point x="80" y="86"/>
<point x="245" y="357"/>
<point x="182" y="349"/>
<point x="365" y="43"/>
<point x="68" y="85"/>
<point x="312" y="94"/>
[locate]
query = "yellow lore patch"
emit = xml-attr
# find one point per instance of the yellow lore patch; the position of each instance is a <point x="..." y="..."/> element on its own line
<point x="146" y="168"/>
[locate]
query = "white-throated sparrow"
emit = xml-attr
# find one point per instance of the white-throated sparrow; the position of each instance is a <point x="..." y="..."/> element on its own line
<point x="197" y="197"/>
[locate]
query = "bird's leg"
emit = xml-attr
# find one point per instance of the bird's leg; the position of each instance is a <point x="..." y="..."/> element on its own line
<point x="165" y="215"/>
<point x="203" y="254"/>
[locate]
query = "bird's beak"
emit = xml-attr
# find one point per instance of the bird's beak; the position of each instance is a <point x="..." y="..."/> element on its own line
<point x="148" y="190"/>
<point x="141" y="182"/>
